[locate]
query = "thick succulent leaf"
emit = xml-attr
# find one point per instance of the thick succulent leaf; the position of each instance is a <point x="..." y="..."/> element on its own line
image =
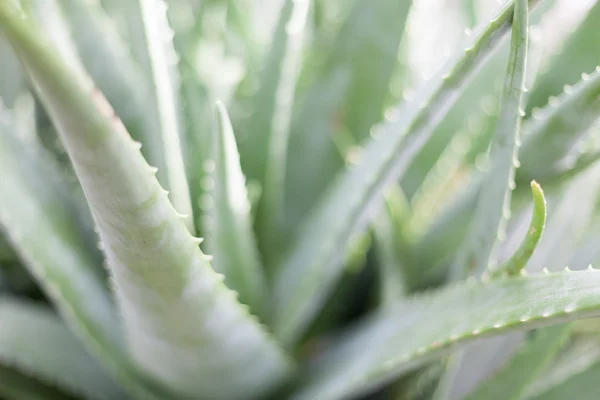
<point x="264" y="155"/>
<point x="515" y="264"/>
<point x="581" y="355"/>
<point x="364" y="53"/>
<point x="493" y="204"/>
<point x="114" y="71"/>
<point x="166" y="81"/>
<point x="555" y="130"/>
<point x="227" y="220"/>
<point x="391" y="246"/>
<point x="39" y="223"/>
<point x="183" y="326"/>
<point x="16" y="386"/>
<point x="386" y="346"/>
<point x="583" y="386"/>
<point x="536" y="353"/>
<point x="312" y="266"/>
<point x="35" y="342"/>
<point x="12" y="79"/>
<point x="578" y="54"/>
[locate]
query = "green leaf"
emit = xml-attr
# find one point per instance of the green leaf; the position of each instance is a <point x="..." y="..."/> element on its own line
<point x="578" y="53"/>
<point x="264" y="153"/>
<point x="117" y="74"/>
<point x="310" y="269"/>
<point x="39" y="222"/>
<point x="582" y="355"/>
<point x="35" y="342"/>
<point x="16" y="386"/>
<point x="163" y="63"/>
<point x="386" y="346"/>
<point x="493" y="205"/>
<point x="391" y="247"/>
<point x="529" y="362"/>
<point x="517" y="261"/>
<point x="227" y="220"/>
<point x="364" y="56"/>
<point x="583" y="386"/>
<point x="557" y="128"/>
<point x="168" y="294"/>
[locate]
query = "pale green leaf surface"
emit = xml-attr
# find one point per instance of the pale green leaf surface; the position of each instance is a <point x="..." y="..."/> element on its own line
<point x="555" y="129"/>
<point x="227" y="221"/>
<point x="386" y="346"/>
<point x="110" y="64"/>
<point x="166" y="85"/>
<point x="515" y="264"/>
<point x="582" y="355"/>
<point x="365" y="49"/>
<point x="537" y="352"/>
<point x="583" y="386"/>
<point x="35" y="342"/>
<point x="493" y="205"/>
<point x="311" y="268"/>
<point x="37" y="219"/>
<point x="391" y="247"/>
<point x="264" y="154"/>
<point x="181" y="323"/>
<point x="578" y="54"/>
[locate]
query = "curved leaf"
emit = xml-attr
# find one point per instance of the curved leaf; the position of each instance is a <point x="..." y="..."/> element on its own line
<point x="493" y="204"/>
<point x="163" y="63"/>
<point x="386" y="346"/>
<point x="264" y="152"/>
<point x="227" y="223"/>
<point x="555" y="129"/>
<point x="510" y="382"/>
<point x="39" y="222"/>
<point x="310" y="269"/>
<point x="364" y="55"/>
<point x="183" y="327"/>
<point x="582" y="355"/>
<point x="517" y="261"/>
<point x="113" y="69"/>
<point x="35" y="342"/>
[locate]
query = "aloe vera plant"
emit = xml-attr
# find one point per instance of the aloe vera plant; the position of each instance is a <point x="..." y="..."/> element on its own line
<point x="233" y="200"/>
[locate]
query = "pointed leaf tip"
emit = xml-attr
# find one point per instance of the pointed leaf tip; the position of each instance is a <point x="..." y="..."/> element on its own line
<point x="538" y="221"/>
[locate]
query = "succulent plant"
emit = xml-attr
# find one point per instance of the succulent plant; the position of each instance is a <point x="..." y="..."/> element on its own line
<point x="354" y="230"/>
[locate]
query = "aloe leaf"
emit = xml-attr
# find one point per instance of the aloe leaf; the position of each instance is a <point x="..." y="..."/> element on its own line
<point x="386" y="347"/>
<point x="16" y="386"/>
<point x="582" y="355"/>
<point x="529" y="362"/>
<point x="366" y="50"/>
<point x="582" y="386"/>
<point x="12" y="79"/>
<point x="166" y="83"/>
<point x="227" y="220"/>
<point x="264" y="154"/>
<point x="39" y="223"/>
<point x="517" y="261"/>
<point x="578" y="54"/>
<point x="554" y="130"/>
<point x="311" y="268"/>
<point x="388" y="243"/>
<point x="35" y="342"/>
<point x="166" y="290"/>
<point x="114" y="71"/>
<point x="493" y="205"/>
